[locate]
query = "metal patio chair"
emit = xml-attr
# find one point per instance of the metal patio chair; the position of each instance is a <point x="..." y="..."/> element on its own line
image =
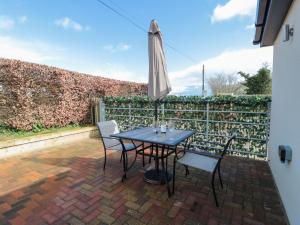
<point x="203" y="161"/>
<point x="108" y="128"/>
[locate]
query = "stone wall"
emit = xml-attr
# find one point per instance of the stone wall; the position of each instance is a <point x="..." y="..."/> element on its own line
<point x="32" y="94"/>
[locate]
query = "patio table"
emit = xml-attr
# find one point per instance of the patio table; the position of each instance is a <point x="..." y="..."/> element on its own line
<point x="168" y="143"/>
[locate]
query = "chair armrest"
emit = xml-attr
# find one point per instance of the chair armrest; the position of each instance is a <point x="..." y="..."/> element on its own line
<point x="210" y="142"/>
<point x="204" y="146"/>
<point x="179" y="154"/>
<point x="112" y="138"/>
<point x="205" y="154"/>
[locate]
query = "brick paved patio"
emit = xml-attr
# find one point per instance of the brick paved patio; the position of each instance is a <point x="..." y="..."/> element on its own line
<point x="66" y="185"/>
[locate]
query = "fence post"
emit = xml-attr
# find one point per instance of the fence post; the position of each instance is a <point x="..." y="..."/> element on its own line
<point x="101" y="110"/>
<point x="207" y="121"/>
<point x="130" y="116"/>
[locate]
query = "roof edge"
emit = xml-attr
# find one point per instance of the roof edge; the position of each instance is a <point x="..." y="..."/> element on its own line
<point x="270" y="17"/>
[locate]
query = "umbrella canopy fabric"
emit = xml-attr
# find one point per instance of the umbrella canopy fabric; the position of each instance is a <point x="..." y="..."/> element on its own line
<point x="159" y="84"/>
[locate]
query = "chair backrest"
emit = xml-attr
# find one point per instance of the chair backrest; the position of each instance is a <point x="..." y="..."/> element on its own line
<point x="106" y="129"/>
<point x="227" y="144"/>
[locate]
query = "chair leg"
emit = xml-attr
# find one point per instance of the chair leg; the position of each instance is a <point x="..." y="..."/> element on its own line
<point x="167" y="162"/>
<point x="174" y="165"/>
<point x="143" y="146"/>
<point x="220" y="178"/>
<point x="126" y="157"/>
<point x="156" y="159"/>
<point x="121" y="157"/>
<point x="187" y="172"/>
<point x="151" y="153"/>
<point x="124" y="166"/>
<point x="213" y="188"/>
<point x="104" y="160"/>
<point x="131" y="165"/>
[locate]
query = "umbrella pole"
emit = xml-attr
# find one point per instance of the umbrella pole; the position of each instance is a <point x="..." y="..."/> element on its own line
<point x="156" y="103"/>
<point x="156" y="110"/>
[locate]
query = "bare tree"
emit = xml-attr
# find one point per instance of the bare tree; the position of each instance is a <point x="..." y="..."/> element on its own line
<point x="225" y="84"/>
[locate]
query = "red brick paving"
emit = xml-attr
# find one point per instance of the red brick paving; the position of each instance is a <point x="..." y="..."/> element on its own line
<point x="66" y="185"/>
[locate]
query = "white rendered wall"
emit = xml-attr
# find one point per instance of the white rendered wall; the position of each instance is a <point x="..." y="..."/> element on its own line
<point x="285" y="115"/>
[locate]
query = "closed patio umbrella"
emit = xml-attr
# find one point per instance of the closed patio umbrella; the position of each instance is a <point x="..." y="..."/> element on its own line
<point x="159" y="84"/>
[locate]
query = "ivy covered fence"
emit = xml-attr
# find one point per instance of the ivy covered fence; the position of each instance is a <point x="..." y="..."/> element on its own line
<point x="214" y="118"/>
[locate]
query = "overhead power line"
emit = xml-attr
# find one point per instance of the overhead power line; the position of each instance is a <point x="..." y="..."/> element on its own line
<point x="180" y="52"/>
<point x="122" y="15"/>
<point x="125" y="12"/>
<point x="132" y="22"/>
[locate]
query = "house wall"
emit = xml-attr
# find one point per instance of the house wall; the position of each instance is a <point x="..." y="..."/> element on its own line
<point x="285" y="116"/>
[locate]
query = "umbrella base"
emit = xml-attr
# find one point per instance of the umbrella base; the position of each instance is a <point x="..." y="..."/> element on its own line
<point x="156" y="177"/>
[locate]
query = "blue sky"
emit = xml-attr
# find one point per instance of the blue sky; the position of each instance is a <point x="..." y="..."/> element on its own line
<point x="87" y="37"/>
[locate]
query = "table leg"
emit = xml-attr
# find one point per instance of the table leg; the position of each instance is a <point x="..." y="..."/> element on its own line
<point x="124" y="166"/>
<point x="143" y="146"/>
<point x="156" y="159"/>
<point x="165" y="171"/>
<point x="151" y="153"/>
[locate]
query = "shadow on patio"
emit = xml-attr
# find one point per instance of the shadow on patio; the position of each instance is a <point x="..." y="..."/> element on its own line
<point x="66" y="185"/>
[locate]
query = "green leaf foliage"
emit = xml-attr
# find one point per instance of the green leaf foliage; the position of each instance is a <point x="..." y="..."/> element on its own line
<point x="258" y="84"/>
<point x="246" y="115"/>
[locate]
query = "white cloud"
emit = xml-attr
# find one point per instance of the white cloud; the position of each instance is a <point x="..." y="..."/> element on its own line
<point x="229" y="62"/>
<point x="22" y="19"/>
<point x="250" y="27"/>
<point x="109" y="48"/>
<point x="6" y="22"/>
<point x="68" y="23"/>
<point x="29" y="50"/>
<point x="121" y="47"/>
<point x="191" y="84"/>
<point x="189" y="80"/>
<point x="232" y="9"/>
<point x="37" y="51"/>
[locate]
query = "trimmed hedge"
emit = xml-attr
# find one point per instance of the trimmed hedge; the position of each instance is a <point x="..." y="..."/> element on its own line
<point x="251" y="100"/>
<point x="37" y="95"/>
<point x="225" y="117"/>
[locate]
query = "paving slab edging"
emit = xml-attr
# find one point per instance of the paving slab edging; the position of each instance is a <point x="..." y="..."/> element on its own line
<point x="40" y="142"/>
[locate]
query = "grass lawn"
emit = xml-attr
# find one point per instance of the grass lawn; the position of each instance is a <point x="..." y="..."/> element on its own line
<point x="8" y="133"/>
